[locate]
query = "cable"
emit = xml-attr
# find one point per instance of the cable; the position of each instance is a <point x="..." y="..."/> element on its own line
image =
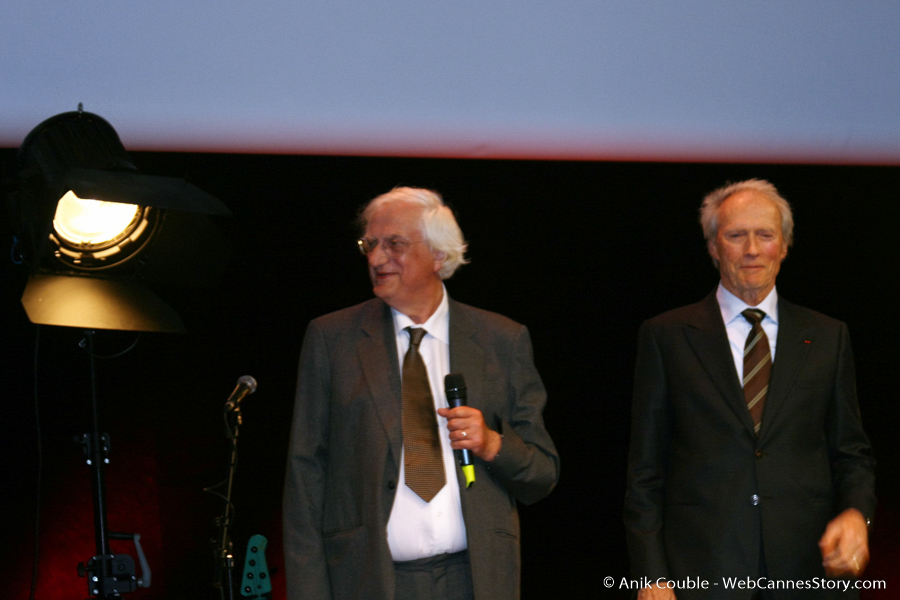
<point x="84" y="343"/>
<point x="40" y="460"/>
<point x="14" y="255"/>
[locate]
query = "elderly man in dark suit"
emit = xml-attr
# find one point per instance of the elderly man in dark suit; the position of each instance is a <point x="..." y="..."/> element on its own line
<point x="375" y="505"/>
<point x="748" y="459"/>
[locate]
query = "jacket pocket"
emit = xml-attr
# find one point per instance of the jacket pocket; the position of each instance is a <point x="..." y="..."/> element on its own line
<point x="345" y="552"/>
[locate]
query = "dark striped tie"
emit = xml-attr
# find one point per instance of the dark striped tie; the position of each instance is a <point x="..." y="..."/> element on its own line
<point x="423" y="460"/>
<point x="757" y="366"/>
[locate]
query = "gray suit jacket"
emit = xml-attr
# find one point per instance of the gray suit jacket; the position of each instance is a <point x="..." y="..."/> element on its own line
<point x="704" y="494"/>
<point x="346" y="440"/>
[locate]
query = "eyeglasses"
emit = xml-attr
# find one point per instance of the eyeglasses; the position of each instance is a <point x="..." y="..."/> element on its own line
<point x="392" y="246"/>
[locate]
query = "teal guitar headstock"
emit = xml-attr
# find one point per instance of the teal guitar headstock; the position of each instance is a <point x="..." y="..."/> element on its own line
<point x="256" y="583"/>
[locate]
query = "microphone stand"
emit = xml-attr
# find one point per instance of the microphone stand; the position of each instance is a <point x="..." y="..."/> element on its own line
<point x="224" y="550"/>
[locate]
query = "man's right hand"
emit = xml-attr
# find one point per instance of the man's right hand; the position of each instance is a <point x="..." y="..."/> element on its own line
<point x="656" y="592"/>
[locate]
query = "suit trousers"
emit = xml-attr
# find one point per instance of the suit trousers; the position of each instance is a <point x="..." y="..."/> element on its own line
<point x="443" y="577"/>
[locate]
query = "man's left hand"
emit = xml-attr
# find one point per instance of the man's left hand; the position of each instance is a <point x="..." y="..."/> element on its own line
<point x="845" y="544"/>
<point x="468" y="431"/>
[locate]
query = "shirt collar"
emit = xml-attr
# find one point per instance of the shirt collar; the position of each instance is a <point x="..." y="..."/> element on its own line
<point x="437" y="325"/>
<point x="732" y="306"/>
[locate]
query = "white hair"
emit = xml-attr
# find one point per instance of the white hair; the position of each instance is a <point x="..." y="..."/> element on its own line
<point x="709" y="210"/>
<point x="439" y="226"/>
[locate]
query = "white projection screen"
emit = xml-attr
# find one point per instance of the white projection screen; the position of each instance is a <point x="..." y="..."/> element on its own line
<point x="705" y="80"/>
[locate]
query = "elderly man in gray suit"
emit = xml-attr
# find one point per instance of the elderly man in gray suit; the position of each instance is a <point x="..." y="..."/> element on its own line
<point x="376" y="505"/>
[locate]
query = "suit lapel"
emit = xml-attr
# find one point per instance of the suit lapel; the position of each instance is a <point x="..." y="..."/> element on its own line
<point x="378" y="356"/>
<point x="791" y="350"/>
<point x="706" y="334"/>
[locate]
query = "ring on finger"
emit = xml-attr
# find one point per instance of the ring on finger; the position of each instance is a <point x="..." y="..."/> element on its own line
<point x="464" y="435"/>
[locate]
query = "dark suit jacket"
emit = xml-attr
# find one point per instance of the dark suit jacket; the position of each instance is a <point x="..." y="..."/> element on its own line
<point x="695" y="464"/>
<point x="346" y="440"/>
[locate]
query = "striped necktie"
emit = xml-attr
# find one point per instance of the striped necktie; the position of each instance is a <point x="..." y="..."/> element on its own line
<point x="423" y="460"/>
<point x="757" y="366"/>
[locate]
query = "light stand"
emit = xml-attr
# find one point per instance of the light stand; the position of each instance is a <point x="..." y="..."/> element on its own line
<point x="92" y="230"/>
<point x="109" y="575"/>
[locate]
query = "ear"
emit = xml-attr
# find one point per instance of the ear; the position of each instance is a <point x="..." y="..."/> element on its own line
<point x="439" y="258"/>
<point x="713" y="249"/>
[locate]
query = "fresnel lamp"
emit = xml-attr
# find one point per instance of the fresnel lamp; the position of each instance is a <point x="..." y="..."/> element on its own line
<point x="93" y="228"/>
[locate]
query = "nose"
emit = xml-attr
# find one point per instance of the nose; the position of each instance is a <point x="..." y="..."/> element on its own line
<point x="752" y="245"/>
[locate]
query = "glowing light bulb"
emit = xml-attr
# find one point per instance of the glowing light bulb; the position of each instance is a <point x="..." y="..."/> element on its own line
<point x="93" y="222"/>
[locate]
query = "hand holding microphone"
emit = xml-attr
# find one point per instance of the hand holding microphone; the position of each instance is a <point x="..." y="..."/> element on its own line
<point x="455" y="387"/>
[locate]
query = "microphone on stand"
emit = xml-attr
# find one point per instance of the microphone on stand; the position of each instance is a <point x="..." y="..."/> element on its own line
<point x="455" y="387"/>
<point x="246" y="385"/>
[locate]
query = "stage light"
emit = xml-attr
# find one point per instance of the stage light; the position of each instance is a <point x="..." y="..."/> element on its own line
<point x="86" y="214"/>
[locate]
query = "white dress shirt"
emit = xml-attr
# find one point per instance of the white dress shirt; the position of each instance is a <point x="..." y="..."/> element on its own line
<point x="419" y="529"/>
<point x="738" y="327"/>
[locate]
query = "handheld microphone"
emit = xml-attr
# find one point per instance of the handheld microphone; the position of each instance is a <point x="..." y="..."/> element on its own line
<point x="455" y="387"/>
<point x="246" y="385"/>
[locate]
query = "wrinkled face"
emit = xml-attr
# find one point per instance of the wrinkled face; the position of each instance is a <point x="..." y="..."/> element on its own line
<point x="402" y="267"/>
<point x="749" y="245"/>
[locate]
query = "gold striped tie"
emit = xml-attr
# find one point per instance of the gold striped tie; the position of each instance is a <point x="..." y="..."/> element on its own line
<point x="757" y="366"/>
<point x="423" y="460"/>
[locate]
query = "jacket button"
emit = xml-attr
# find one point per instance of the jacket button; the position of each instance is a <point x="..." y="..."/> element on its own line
<point x="754" y="500"/>
<point x="392" y="485"/>
<point x="759" y="454"/>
